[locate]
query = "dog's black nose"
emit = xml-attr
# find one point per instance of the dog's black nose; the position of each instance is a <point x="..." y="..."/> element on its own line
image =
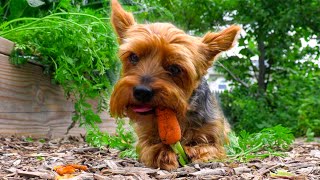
<point x="142" y="93"/>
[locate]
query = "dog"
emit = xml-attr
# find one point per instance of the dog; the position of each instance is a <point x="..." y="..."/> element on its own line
<point x="164" y="66"/>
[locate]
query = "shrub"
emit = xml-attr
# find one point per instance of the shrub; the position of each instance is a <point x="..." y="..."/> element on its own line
<point x="76" y="47"/>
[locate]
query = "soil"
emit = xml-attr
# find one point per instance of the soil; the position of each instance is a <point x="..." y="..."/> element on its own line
<point x="23" y="158"/>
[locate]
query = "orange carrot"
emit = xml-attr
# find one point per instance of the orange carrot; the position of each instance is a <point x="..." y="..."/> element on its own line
<point x="69" y="169"/>
<point x="80" y="167"/>
<point x="61" y="170"/>
<point x="168" y="126"/>
<point x="170" y="132"/>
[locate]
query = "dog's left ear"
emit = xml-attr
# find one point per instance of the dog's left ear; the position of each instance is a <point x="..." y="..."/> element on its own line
<point x="121" y="20"/>
<point x="216" y="43"/>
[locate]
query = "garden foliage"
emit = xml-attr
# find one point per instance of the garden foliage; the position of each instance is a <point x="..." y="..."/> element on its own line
<point x="124" y="139"/>
<point x="268" y="142"/>
<point x="74" y="44"/>
<point x="275" y="76"/>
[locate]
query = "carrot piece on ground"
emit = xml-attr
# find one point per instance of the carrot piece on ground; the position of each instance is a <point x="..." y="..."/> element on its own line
<point x="69" y="169"/>
<point x="80" y="167"/>
<point x="61" y="170"/>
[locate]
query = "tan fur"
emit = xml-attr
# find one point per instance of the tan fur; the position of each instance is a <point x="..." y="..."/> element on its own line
<point x="206" y="143"/>
<point x="158" y="46"/>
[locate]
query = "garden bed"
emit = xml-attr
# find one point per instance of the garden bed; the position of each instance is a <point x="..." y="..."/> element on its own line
<point x="31" y="105"/>
<point x="25" y="158"/>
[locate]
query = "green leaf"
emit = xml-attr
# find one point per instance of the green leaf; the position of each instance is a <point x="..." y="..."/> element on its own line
<point x="17" y="8"/>
<point x="282" y="173"/>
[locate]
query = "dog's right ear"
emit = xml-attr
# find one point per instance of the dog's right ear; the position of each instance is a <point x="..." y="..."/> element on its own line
<point x="215" y="43"/>
<point x="121" y="20"/>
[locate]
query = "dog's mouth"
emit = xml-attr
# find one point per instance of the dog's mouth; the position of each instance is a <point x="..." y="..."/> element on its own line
<point x="143" y="109"/>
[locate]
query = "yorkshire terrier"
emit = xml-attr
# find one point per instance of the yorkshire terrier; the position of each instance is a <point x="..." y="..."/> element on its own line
<point x="162" y="66"/>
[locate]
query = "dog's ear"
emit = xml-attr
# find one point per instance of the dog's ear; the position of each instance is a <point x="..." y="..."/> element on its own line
<point x="121" y="20"/>
<point x="216" y="43"/>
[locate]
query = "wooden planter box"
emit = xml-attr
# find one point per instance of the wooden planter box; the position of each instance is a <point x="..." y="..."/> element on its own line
<point x="30" y="105"/>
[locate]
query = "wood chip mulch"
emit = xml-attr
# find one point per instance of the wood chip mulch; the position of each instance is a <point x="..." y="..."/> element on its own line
<point x="22" y="159"/>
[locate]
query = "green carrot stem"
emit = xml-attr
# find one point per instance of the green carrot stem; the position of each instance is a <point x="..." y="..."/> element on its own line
<point x="178" y="149"/>
<point x="181" y="160"/>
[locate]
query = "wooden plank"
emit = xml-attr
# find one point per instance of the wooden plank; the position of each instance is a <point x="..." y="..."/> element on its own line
<point x="27" y="89"/>
<point x="45" y="124"/>
<point x="6" y="46"/>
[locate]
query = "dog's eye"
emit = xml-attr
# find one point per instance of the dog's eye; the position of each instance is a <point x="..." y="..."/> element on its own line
<point x="174" y="70"/>
<point x="133" y="58"/>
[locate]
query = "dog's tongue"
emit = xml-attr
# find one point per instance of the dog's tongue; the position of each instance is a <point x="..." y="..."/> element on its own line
<point x="141" y="108"/>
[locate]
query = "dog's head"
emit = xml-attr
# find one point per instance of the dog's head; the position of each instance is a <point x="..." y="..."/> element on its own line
<point x="161" y="64"/>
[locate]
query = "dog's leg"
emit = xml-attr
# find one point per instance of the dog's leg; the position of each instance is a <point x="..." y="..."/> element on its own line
<point x="206" y="143"/>
<point x="158" y="156"/>
<point x="204" y="152"/>
<point x="150" y="150"/>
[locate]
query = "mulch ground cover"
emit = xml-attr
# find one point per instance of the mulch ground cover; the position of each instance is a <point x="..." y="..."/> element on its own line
<point x="23" y="158"/>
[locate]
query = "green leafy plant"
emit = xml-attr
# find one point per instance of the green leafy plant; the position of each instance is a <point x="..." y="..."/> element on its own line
<point x="42" y="140"/>
<point x="29" y="139"/>
<point x="269" y="141"/>
<point x="310" y="135"/>
<point x="40" y="158"/>
<point x="78" y="49"/>
<point x="292" y="102"/>
<point x="123" y="139"/>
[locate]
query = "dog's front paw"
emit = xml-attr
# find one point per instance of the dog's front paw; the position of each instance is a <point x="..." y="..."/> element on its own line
<point x="204" y="153"/>
<point x="159" y="156"/>
<point x="167" y="160"/>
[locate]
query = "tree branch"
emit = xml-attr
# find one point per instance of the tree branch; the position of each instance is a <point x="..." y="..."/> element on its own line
<point x="232" y="75"/>
<point x="254" y="69"/>
<point x="262" y="66"/>
<point x="268" y="70"/>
